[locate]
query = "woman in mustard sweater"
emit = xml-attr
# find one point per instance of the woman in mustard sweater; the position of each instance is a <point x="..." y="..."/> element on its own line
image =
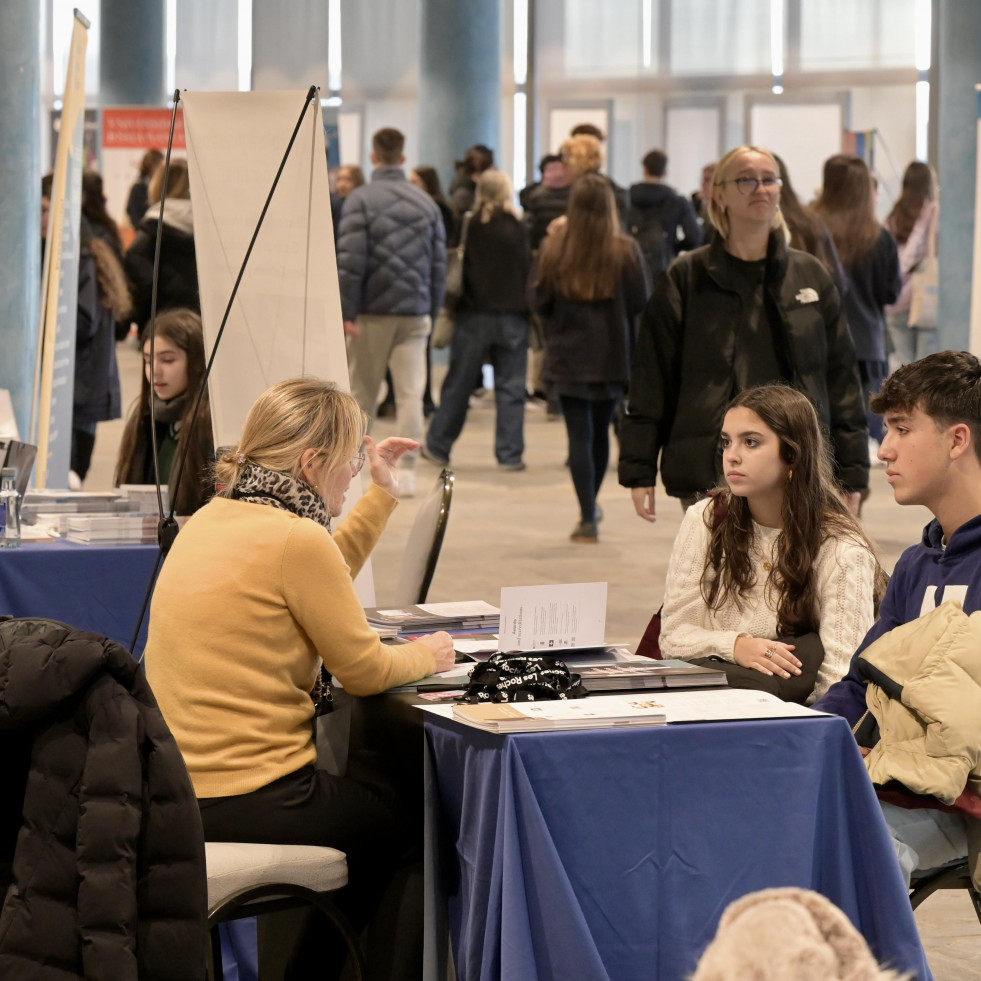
<point x="255" y="594"/>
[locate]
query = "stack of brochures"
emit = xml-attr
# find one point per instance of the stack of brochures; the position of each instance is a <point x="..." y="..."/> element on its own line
<point x="427" y="617"/>
<point x="113" y="529"/>
<point x="580" y="713"/>
<point x="629" y="675"/>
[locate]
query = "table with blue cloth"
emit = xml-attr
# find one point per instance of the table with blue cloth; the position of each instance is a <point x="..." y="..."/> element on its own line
<point x="610" y="854"/>
<point x="91" y="587"/>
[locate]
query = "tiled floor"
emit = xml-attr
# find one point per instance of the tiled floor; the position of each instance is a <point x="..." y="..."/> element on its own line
<point x="513" y="529"/>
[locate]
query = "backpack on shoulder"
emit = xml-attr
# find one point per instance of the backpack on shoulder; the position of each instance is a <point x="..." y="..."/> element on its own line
<point x="646" y="225"/>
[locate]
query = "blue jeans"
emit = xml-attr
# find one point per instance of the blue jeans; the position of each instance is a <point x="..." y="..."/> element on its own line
<point x="909" y="343"/>
<point x="588" y="425"/>
<point x="501" y="339"/>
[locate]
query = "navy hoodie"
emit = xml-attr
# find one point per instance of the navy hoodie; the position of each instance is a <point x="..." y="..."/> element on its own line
<point x="926" y="575"/>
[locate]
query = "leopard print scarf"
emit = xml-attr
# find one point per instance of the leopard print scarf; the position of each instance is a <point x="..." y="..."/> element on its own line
<point x="257" y="485"/>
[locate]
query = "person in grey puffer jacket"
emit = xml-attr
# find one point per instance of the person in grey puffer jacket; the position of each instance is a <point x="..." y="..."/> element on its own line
<point x="391" y="263"/>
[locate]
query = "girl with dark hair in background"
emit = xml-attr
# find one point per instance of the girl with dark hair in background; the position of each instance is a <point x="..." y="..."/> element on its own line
<point x="868" y="255"/>
<point x="426" y="179"/>
<point x="172" y="382"/>
<point x="913" y="220"/>
<point x="590" y="287"/>
<point x="94" y="208"/>
<point x="775" y="553"/>
<point x="807" y="231"/>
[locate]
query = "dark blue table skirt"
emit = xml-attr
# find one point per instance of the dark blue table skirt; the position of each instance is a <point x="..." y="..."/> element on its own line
<point x="611" y="854"/>
<point x="87" y="586"/>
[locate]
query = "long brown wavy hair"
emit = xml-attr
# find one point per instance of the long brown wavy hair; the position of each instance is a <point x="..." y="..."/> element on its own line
<point x="918" y="189"/>
<point x="583" y="259"/>
<point x="812" y="512"/>
<point x="183" y="329"/>
<point x="807" y="231"/>
<point x="847" y="205"/>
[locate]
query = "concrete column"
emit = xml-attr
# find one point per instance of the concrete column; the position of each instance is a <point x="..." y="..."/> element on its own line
<point x="132" y="40"/>
<point x="460" y="80"/>
<point x="959" y="64"/>
<point x="20" y="201"/>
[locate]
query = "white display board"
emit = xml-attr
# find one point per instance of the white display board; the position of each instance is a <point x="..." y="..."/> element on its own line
<point x="805" y="134"/>
<point x="286" y="319"/>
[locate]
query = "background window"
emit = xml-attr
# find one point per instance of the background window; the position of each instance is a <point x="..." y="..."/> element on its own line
<point x="720" y="37"/>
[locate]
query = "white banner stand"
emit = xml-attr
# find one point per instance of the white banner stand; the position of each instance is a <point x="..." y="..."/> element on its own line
<point x="286" y="319"/>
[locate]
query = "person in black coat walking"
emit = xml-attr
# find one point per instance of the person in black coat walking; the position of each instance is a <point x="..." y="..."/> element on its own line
<point x="590" y="286"/>
<point x="178" y="281"/>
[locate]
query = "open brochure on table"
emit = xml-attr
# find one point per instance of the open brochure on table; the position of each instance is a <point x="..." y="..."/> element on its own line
<point x="721" y="705"/>
<point x="577" y="713"/>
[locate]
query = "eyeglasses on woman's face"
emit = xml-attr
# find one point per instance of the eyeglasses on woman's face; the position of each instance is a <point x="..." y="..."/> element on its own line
<point x="748" y="185"/>
<point x="357" y="463"/>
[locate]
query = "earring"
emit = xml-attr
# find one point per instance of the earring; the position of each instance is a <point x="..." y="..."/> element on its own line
<point x="790" y="475"/>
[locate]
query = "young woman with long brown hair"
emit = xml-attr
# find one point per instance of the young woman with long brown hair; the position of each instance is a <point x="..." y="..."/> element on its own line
<point x="913" y="220"/>
<point x="774" y="553"/>
<point x="172" y="382"/>
<point x="590" y="287"/>
<point x="868" y="255"/>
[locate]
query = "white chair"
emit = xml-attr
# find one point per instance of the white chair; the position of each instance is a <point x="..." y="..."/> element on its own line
<point x="246" y="879"/>
<point x="425" y="541"/>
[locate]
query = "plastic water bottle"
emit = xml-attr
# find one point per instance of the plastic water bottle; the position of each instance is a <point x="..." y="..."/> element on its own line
<point x="9" y="509"/>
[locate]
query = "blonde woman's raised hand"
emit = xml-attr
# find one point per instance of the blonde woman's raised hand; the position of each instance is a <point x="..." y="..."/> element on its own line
<point x="383" y="460"/>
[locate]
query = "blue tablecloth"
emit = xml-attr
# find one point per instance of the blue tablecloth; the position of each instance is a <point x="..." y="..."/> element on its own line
<point x="609" y="855"/>
<point x="87" y="586"/>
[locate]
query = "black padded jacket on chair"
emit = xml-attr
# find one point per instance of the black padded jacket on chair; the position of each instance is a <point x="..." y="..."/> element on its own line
<point x="101" y="848"/>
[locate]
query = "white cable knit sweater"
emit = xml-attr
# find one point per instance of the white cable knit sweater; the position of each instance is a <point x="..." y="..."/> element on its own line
<point x="845" y="583"/>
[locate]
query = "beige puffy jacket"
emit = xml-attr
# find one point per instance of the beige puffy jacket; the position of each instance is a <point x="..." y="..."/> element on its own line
<point x="930" y="736"/>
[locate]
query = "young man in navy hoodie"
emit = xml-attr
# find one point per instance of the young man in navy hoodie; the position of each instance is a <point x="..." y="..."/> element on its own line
<point x="932" y="452"/>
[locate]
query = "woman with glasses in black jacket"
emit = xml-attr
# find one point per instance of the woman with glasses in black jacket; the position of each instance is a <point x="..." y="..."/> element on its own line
<point x="743" y="311"/>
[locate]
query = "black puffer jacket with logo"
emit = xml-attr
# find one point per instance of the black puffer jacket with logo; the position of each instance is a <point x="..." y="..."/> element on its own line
<point x="684" y="367"/>
<point x="101" y="847"/>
